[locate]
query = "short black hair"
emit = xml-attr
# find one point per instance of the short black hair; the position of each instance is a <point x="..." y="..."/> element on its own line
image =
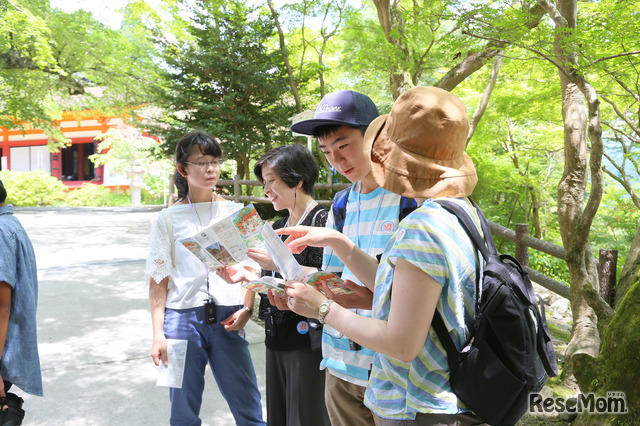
<point x="329" y="129"/>
<point x="3" y="193"/>
<point x="207" y="144"/>
<point x="293" y="164"/>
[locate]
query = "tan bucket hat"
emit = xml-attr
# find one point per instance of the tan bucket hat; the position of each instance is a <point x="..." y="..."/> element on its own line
<point x="418" y="149"/>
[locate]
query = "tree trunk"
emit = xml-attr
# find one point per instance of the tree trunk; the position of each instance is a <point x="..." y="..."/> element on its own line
<point x="242" y="170"/>
<point x="535" y="212"/>
<point x="574" y="215"/>
<point x="630" y="268"/>
<point x="393" y="26"/>
<point x="285" y="57"/>
<point x="574" y="220"/>
<point x="571" y="193"/>
<point x="482" y="106"/>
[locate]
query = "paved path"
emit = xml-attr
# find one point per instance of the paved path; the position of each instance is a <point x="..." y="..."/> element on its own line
<point x="94" y="327"/>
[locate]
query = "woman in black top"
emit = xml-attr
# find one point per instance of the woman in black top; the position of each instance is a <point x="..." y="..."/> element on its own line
<point x="295" y="383"/>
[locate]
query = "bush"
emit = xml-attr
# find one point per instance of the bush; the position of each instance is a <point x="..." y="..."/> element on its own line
<point x="151" y="198"/>
<point x="96" y="196"/>
<point x="34" y="188"/>
<point x="550" y="266"/>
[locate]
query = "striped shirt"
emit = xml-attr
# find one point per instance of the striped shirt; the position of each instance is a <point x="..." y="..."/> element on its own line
<point x="370" y="221"/>
<point x="433" y="240"/>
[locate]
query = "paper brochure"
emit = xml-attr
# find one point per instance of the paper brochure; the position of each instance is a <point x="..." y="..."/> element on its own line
<point x="171" y="375"/>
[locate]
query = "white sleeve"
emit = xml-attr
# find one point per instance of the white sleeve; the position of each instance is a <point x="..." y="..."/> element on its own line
<point x="159" y="260"/>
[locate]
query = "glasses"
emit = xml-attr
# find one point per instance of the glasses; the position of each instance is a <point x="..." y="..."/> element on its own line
<point x="206" y="164"/>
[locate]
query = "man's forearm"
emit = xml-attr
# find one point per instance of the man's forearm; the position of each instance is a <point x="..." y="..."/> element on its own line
<point x="5" y="311"/>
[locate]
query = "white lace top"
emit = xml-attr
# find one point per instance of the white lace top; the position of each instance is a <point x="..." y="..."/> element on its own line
<point x="187" y="275"/>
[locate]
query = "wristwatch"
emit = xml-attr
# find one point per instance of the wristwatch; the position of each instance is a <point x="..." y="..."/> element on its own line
<point x="323" y="310"/>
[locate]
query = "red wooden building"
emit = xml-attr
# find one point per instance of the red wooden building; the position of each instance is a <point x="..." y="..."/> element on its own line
<point x="27" y="150"/>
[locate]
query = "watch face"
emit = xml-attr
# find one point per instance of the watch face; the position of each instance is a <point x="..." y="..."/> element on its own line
<point x="323" y="310"/>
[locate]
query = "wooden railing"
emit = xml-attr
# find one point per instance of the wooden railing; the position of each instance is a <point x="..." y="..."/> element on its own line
<point x="606" y="264"/>
<point x="523" y="241"/>
<point x="237" y="196"/>
<point x="520" y="236"/>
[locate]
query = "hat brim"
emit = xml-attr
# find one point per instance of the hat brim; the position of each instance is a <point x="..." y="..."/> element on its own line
<point x="306" y="127"/>
<point x="413" y="175"/>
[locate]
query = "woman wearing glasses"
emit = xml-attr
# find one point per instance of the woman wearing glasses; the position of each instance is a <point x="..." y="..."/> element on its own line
<point x="189" y="303"/>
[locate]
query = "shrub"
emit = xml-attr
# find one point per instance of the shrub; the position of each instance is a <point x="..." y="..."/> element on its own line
<point x="148" y="197"/>
<point x="97" y="196"/>
<point x="549" y="265"/>
<point x="34" y="188"/>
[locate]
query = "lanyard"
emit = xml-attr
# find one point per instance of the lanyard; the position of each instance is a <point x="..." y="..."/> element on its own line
<point x="304" y="214"/>
<point x="198" y="224"/>
<point x="375" y="219"/>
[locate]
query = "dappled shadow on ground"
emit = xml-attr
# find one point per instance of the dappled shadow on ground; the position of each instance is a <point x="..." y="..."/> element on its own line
<point x="95" y="337"/>
<point x="91" y="306"/>
<point x="94" y="334"/>
<point x="94" y="326"/>
<point x="66" y="238"/>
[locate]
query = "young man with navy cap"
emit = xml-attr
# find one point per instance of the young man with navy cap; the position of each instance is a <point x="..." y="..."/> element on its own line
<point x="371" y="217"/>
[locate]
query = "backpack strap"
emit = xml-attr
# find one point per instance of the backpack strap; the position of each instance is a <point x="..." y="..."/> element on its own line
<point x="486" y="246"/>
<point x="407" y="205"/>
<point x="339" y="208"/>
<point x="487" y="251"/>
<point x="437" y="323"/>
<point x="545" y="345"/>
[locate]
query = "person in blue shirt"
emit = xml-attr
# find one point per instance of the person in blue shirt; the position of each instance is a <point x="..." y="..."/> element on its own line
<point x="19" y="360"/>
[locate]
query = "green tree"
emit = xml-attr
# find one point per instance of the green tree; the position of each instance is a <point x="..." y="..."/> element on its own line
<point x="125" y="148"/>
<point x="51" y="61"/>
<point x="611" y="30"/>
<point x="223" y="76"/>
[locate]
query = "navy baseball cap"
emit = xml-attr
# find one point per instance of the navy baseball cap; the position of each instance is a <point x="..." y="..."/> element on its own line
<point x="345" y="107"/>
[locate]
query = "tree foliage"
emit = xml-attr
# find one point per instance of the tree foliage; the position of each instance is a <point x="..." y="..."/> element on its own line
<point x="222" y="76"/>
<point x="123" y="149"/>
<point x="51" y="61"/>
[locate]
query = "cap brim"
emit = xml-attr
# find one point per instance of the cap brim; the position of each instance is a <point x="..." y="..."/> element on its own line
<point x="306" y="127"/>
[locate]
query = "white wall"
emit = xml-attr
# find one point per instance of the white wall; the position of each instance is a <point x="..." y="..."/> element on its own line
<point x="27" y="158"/>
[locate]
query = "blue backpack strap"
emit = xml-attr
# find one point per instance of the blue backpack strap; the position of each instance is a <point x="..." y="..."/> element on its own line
<point x="339" y="208"/>
<point x="407" y="205"/>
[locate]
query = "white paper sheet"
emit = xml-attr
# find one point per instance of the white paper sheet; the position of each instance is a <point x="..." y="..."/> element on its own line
<point x="171" y="375"/>
<point x="281" y="256"/>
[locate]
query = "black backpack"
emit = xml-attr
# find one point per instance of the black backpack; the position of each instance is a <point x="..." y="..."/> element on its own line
<point x="510" y="353"/>
<point x="339" y="207"/>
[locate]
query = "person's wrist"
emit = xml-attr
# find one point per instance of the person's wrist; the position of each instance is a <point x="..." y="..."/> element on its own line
<point x="248" y="309"/>
<point x="338" y="239"/>
<point x="323" y="310"/>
